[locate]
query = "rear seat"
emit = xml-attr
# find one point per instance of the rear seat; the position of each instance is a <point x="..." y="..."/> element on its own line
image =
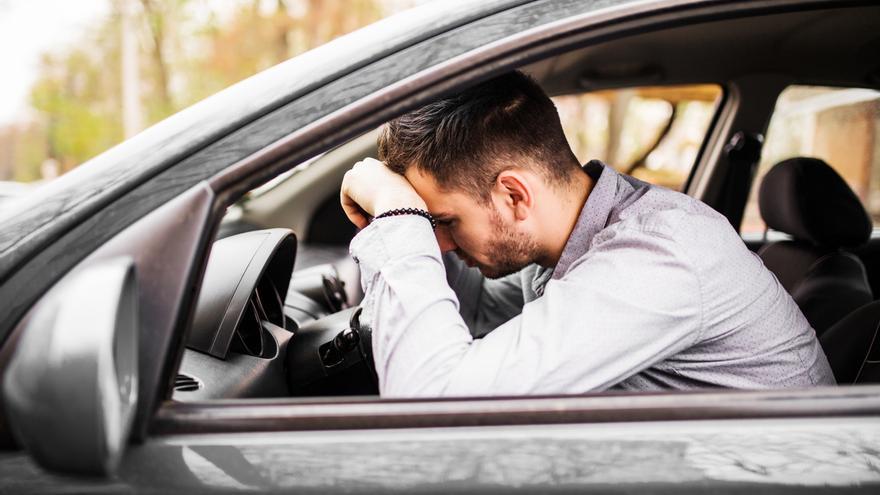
<point x="853" y="346"/>
<point x="808" y="200"/>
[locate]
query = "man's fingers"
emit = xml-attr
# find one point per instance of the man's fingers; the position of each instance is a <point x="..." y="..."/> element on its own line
<point x="352" y="209"/>
<point x="358" y="219"/>
<point x="355" y="213"/>
<point x="370" y="188"/>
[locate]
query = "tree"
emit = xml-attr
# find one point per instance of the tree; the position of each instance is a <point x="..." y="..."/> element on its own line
<point x="78" y="94"/>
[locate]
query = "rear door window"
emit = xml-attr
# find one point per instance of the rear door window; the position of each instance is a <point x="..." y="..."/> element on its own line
<point x="838" y="125"/>
<point x="652" y="133"/>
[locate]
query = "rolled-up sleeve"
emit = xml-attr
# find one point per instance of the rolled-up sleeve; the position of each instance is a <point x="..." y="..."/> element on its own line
<point x="631" y="302"/>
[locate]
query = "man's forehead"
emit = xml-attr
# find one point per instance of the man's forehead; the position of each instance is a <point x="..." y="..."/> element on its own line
<point x="414" y="174"/>
<point x="442" y="202"/>
<point x="425" y="183"/>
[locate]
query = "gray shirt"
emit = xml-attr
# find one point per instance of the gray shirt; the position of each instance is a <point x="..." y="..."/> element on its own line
<point x="654" y="290"/>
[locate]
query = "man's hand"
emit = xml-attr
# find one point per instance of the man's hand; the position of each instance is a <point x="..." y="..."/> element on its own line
<point x="371" y="188"/>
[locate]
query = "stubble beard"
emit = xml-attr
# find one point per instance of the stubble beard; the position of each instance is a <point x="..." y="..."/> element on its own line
<point x="510" y="251"/>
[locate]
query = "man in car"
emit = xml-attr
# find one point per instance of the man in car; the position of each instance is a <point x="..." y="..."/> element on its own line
<point x="594" y="279"/>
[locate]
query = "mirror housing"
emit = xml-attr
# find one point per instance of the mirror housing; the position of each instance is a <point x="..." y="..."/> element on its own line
<point x="71" y="387"/>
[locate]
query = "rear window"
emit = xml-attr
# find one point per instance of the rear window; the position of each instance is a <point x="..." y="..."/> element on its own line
<point x="839" y="125"/>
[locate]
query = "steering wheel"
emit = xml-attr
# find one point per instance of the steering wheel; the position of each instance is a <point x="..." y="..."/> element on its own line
<point x="332" y="356"/>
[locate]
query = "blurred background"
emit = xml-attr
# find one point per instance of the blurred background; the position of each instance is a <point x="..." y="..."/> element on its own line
<point x="81" y="76"/>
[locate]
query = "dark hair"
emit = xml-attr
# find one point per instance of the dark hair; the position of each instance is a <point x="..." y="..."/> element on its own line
<point x="465" y="140"/>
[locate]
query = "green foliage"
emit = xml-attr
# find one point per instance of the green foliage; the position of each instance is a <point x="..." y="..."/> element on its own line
<point x="78" y="101"/>
<point x="29" y="153"/>
<point x="183" y="58"/>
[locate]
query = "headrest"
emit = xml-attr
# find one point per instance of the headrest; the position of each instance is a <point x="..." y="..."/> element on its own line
<point x="807" y="199"/>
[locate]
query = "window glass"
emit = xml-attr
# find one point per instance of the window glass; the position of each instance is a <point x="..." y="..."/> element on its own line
<point x="653" y="133"/>
<point x="839" y="125"/>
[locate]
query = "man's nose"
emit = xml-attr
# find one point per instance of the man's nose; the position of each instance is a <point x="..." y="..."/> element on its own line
<point x="444" y="239"/>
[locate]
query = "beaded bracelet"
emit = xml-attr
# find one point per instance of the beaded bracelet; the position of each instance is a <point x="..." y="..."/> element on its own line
<point x="409" y="211"/>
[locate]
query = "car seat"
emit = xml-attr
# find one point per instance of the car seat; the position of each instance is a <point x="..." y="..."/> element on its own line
<point x="806" y="199"/>
<point x="853" y="346"/>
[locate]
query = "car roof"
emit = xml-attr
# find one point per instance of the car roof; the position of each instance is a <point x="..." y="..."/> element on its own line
<point x="807" y="46"/>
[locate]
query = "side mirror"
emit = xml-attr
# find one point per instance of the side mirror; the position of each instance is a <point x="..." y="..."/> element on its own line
<point x="71" y="387"/>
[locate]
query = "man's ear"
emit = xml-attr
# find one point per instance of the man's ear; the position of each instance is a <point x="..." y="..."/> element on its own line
<point x="514" y="190"/>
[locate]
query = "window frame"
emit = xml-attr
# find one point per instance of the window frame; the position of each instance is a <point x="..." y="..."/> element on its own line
<point x="359" y="413"/>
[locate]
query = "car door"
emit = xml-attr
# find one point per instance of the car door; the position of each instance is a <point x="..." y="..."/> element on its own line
<point x="671" y="442"/>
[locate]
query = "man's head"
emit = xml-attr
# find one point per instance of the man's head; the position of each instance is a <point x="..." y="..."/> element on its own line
<point x="486" y="161"/>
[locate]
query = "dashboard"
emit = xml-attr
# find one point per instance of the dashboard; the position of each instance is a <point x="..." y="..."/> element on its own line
<point x="262" y="331"/>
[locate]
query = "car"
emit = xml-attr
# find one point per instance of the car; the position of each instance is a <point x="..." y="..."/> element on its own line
<point x="180" y="313"/>
<point x="9" y="191"/>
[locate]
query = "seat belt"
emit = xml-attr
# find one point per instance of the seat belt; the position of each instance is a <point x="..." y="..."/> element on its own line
<point x="743" y="153"/>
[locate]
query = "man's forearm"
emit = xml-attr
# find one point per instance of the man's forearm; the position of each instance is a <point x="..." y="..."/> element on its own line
<point x="418" y="335"/>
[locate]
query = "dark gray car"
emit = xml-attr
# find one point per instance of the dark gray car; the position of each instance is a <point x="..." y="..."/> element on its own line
<point x="113" y="313"/>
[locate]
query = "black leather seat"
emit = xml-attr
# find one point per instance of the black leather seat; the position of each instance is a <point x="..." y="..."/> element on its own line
<point x="808" y="200"/>
<point x="853" y="346"/>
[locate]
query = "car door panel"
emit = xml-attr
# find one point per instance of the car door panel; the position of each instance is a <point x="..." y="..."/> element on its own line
<point x="163" y="246"/>
<point x="736" y="456"/>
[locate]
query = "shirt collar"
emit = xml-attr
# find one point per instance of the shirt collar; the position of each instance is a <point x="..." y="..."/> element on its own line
<point x="594" y="215"/>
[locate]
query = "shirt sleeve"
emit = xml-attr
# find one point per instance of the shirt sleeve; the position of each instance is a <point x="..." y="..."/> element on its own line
<point x="631" y="302"/>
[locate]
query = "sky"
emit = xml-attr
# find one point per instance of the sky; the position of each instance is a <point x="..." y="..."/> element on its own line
<point x="29" y="28"/>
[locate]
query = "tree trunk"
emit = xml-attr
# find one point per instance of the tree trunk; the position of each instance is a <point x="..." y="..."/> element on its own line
<point x="156" y="19"/>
